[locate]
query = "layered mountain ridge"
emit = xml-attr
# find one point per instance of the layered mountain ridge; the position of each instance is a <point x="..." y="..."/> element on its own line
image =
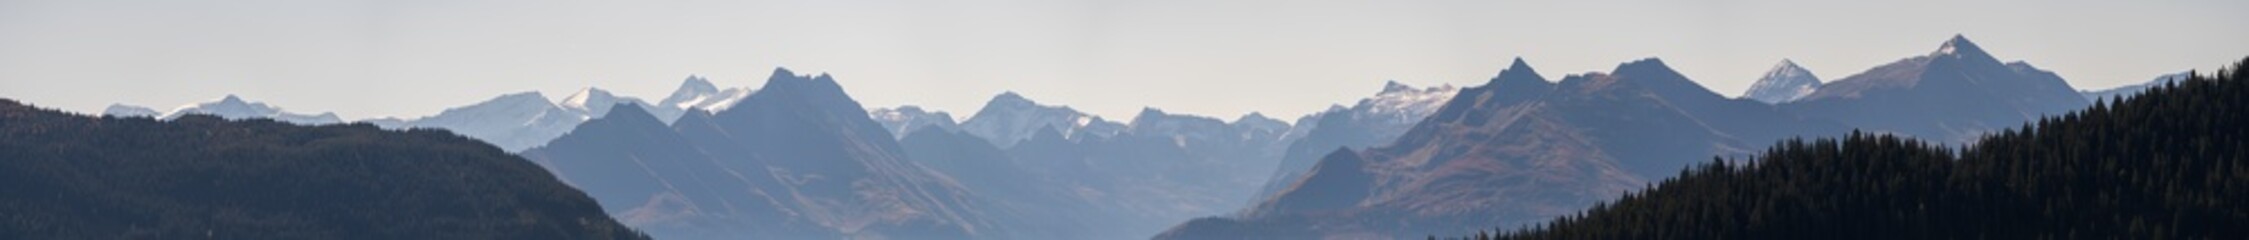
<point x="1520" y="149"/>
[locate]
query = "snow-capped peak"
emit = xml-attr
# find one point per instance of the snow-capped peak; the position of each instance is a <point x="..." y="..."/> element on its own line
<point x="233" y="107"/>
<point x="1959" y="45"/>
<point x="1400" y="100"/>
<point x="122" y="110"/>
<point x="588" y="98"/>
<point x="1009" y="117"/>
<point x="1785" y="82"/>
<point x="909" y="118"/>
<point x="694" y="86"/>
<point x="698" y="93"/>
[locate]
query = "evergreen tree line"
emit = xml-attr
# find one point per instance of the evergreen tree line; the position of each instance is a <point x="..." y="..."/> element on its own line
<point x="2166" y="164"/>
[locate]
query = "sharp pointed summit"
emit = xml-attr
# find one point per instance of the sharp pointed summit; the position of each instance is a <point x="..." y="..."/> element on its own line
<point x="1518" y="71"/>
<point x="1393" y="86"/>
<point x="1959" y="43"/>
<point x="1785" y="82"/>
<point x="1960" y="47"/>
<point x="697" y="93"/>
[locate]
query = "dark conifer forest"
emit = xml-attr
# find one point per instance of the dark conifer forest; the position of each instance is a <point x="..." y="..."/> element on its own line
<point x="2172" y="163"/>
<point x="67" y="176"/>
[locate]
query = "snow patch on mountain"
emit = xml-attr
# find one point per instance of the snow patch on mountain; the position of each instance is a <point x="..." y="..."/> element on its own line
<point x="1785" y="82"/>
<point x="122" y="110"/>
<point x="907" y="119"/>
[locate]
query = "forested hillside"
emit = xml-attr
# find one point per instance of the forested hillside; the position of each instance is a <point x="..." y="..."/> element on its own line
<point x="2168" y="164"/>
<point x="66" y="176"/>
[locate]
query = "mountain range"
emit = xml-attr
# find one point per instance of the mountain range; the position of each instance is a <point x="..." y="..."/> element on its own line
<point x="1520" y="150"/>
<point x="230" y="107"/>
<point x="799" y="158"/>
<point x="514" y="121"/>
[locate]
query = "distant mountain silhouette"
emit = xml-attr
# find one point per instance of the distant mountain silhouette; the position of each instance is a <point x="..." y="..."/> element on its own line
<point x="2134" y="89"/>
<point x="513" y="122"/>
<point x="519" y="121"/>
<point x="1521" y="150"/>
<point x="798" y="159"/>
<point x="1516" y="150"/>
<point x="233" y="107"/>
<point x="65" y="176"/>
<point x="1009" y="118"/>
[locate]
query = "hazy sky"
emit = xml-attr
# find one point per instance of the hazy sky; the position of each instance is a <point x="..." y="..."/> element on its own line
<point x="377" y="58"/>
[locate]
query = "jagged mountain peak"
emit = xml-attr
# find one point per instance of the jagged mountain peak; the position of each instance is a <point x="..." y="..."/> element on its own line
<point x="232" y="99"/>
<point x="1517" y="73"/>
<point x="1786" y="63"/>
<point x="588" y="95"/>
<point x="1960" y="48"/>
<point x="792" y="90"/>
<point x="693" y="87"/>
<point x="1391" y="86"/>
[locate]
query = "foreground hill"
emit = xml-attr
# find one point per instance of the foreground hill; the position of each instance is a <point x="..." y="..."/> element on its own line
<point x="2168" y="164"/>
<point x="65" y="176"/>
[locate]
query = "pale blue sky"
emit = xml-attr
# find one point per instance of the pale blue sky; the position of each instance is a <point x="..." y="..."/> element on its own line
<point x="376" y="58"/>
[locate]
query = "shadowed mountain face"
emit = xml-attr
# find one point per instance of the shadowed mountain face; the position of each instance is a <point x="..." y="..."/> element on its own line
<point x="1517" y="150"/>
<point x="1950" y="96"/>
<point x="65" y="176"/>
<point x="798" y="159"/>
